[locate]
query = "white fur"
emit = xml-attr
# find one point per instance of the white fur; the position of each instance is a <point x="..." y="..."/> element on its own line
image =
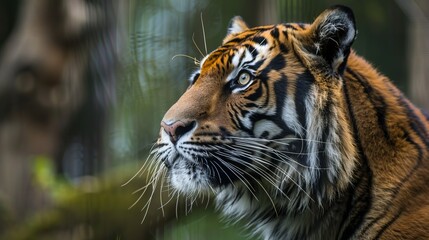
<point x="291" y="117"/>
<point x="262" y="126"/>
<point x="237" y="26"/>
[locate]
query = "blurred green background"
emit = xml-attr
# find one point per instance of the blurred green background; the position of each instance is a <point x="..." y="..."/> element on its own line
<point x="154" y="35"/>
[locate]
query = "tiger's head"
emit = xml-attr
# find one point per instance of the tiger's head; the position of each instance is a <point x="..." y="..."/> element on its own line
<point x="263" y="118"/>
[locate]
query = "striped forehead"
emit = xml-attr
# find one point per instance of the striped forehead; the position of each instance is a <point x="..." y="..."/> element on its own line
<point x="247" y="58"/>
<point x="259" y="38"/>
<point x="243" y="55"/>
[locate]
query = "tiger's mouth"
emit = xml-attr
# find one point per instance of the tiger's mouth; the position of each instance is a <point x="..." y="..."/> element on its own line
<point x="200" y="173"/>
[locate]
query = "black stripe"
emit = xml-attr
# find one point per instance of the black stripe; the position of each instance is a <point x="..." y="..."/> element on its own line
<point x="240" y="38"/>
<point x="283" y="48"/>
<point x="214" y="55"/>
<point x="242" y="55"/>
<point x="377" y="102"/>
<point x="280" y="89"/>
<point x="286" y="34"/>
<point x="287" y="25"/>
<point x="388" y="224"/>
<point x="304" y="82"/>
<point x="237" y="113"/>
<point x="252" y="51"/>
<point x="400" y="184"/>
<point x="275" y="33"/>
<point x="277" y="63"/>
<point x="302" y="26"/>
<point x="224" y="132"/>
<point x="255" y="95"/>
<point x="358" y="203"/>
<point x="356" y="219"/>
<point x="262" y="28"/>
<point x="259" y="40"/>
<point x="256" y="65"/>
<point x="416" y="123"/>
<point x="251" y="105"/>
<point x="233" y="114"/>
<point x="267" y="93"/>
<point x="245" y="35"/>
<point x="206" y="134"/>
<point x="224" y="60"/>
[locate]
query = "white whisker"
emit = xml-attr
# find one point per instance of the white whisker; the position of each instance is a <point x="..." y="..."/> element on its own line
<point x="204" y="33"/>
<point x="177" y="206"/>
<point x="250" y="144"/>
<point x="262" y="162"/>
<point x="196" y="61"/>
<point x="263" y="188"/>
<point x="141" y="169"/>
<point x="160" y="193"/>
<point x="262" y="172"/>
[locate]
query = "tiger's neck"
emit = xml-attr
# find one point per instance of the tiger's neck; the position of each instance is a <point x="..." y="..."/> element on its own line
<point x="392" y="140"/>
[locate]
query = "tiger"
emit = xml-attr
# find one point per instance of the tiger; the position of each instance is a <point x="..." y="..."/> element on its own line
<point x="298" y="137"/>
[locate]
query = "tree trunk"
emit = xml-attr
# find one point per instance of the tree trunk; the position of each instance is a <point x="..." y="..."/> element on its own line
<point x="45" y="83"/>
<point x="418" y="59"/>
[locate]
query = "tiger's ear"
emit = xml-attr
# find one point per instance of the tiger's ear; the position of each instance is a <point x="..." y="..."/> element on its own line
<point x="332" y="34"/>
<point x="236" y="25"/>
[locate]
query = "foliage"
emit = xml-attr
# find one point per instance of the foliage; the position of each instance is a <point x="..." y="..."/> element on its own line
<point x="99" y="208"/>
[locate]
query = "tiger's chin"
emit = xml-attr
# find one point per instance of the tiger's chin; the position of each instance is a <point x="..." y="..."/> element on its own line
<point x="189" y="176"/>
<point x="192" y="177"/>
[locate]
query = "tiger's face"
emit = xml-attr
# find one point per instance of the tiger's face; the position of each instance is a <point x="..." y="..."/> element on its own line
<point x="260" y="118"/>
<point x="233" y="105"/>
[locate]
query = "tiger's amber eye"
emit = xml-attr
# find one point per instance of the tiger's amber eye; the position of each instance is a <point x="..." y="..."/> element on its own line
<point x="244" y="78"/>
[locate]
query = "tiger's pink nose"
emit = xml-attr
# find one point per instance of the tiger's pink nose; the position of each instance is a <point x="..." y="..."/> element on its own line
<point x="178" y="128"/>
